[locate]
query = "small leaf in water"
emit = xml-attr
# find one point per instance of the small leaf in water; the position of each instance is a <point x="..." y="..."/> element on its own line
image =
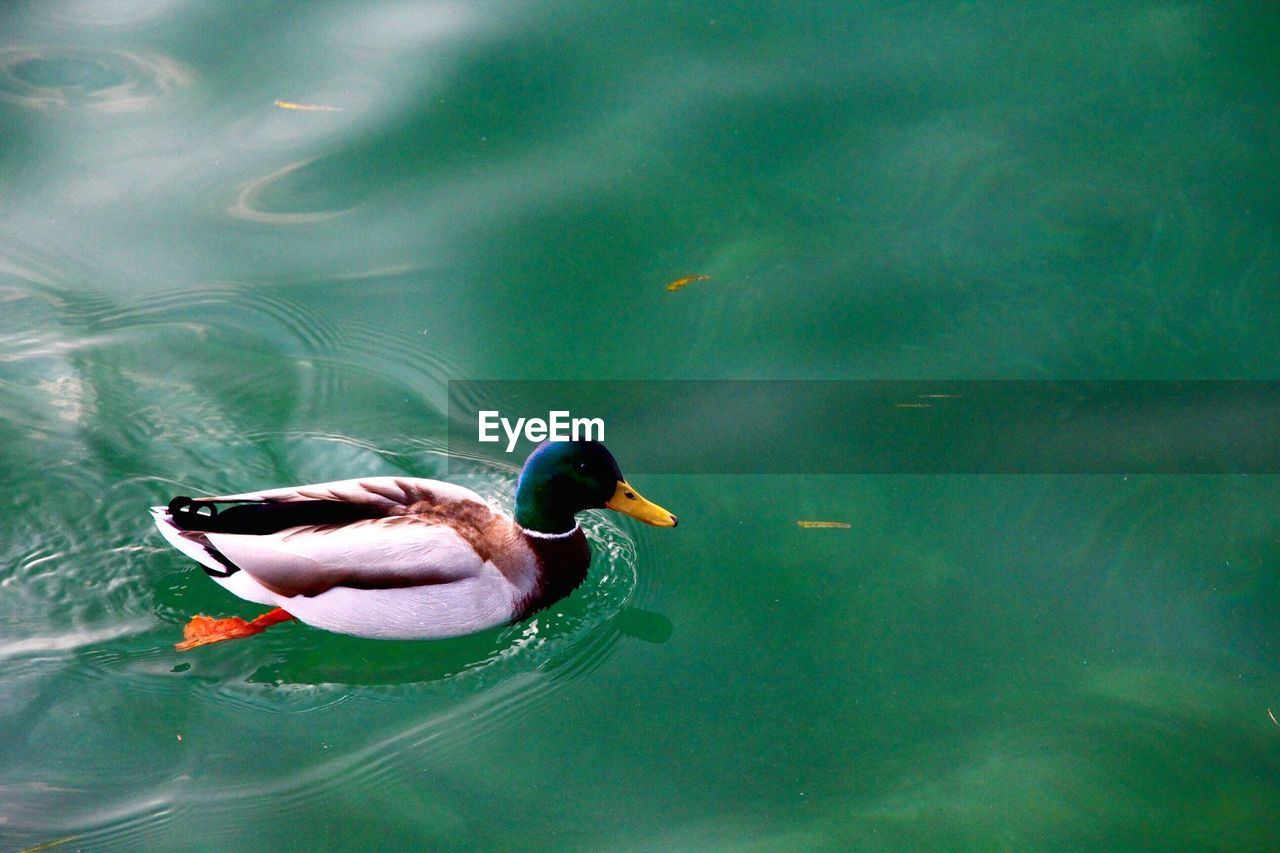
<point x="837" y="525"/>
<point x="688" y="279"/>
<point x="307" y="108"/>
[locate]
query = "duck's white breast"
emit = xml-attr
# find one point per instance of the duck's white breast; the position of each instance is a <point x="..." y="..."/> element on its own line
<point x="422" y="612"/>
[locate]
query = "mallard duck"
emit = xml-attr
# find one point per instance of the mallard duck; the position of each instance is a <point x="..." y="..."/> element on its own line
<point x="400" y="557"/>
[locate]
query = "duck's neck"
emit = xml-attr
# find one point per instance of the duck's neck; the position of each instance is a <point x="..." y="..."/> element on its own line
<point x="534" y="512"/>
<point x="562" y="562"/>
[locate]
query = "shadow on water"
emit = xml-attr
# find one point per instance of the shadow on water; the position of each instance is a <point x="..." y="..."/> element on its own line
<point x="320" y="658"/>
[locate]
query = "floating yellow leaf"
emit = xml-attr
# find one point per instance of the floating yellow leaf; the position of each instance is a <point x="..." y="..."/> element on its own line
<point x="688" y="279"/>
<point x="307" y="108"/>
<point x="835" y="525"/>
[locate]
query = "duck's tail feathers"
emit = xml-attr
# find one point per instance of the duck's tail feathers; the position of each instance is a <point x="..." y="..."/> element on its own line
<point x="194" y="544"/>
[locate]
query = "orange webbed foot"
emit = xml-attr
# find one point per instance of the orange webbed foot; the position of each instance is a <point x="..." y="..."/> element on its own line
<point x="203" y="630"/>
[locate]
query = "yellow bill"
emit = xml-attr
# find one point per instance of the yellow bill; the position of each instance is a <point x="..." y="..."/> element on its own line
<point x="627" y="501"/>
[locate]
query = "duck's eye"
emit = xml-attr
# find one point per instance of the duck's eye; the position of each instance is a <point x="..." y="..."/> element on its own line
<point x="581" y="466"/>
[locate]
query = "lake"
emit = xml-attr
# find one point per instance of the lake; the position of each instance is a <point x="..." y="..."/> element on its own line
<point x="250" y="244"/>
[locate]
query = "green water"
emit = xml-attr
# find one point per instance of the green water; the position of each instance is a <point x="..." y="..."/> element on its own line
<point x="204" y="292"/>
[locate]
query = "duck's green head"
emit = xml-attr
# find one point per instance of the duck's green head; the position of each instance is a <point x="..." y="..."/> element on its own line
<point x="561" y="478"/>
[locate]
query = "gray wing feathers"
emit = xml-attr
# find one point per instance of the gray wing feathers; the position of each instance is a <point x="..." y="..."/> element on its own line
<point x="377" y="554"/>
<point x="387" y="493"/>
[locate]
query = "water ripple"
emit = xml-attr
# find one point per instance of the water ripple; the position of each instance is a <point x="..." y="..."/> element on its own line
<point x="248" y="204"/>
<point x="374" y="703"/>
<point x="102" y="80"/>
<point x="126" y="398"/>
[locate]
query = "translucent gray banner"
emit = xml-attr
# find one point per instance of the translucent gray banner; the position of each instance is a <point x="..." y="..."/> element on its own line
<point x="884" y="427"/>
